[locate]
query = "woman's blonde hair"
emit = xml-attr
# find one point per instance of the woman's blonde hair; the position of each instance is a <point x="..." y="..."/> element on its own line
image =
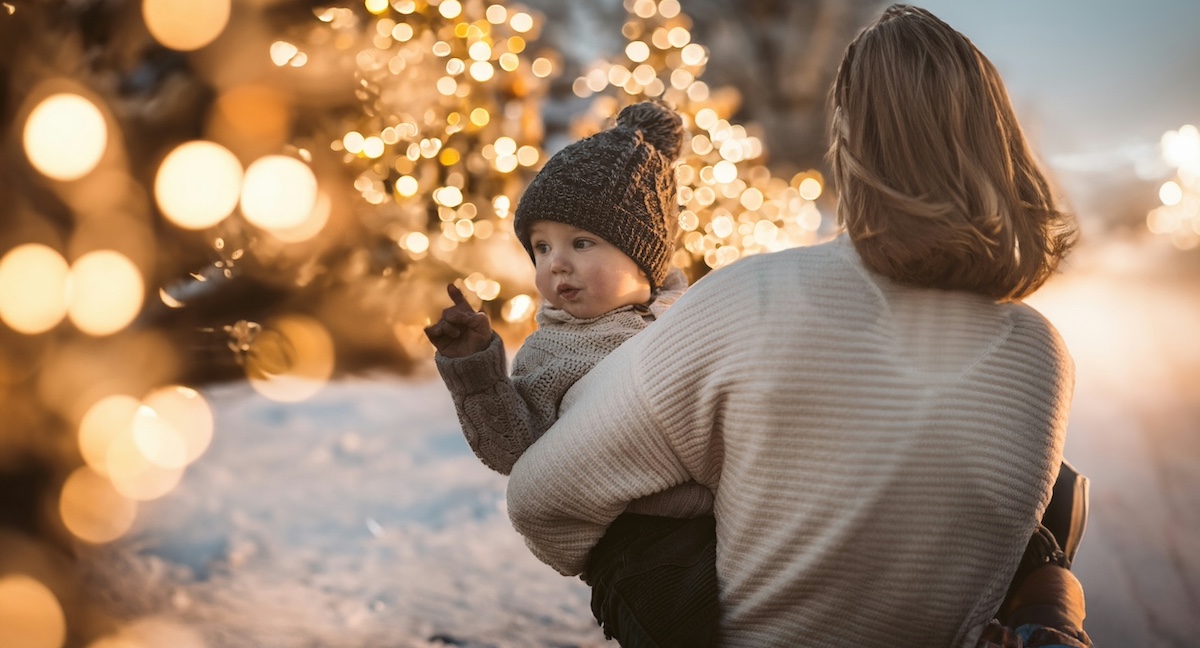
<point x="937" y="186"/>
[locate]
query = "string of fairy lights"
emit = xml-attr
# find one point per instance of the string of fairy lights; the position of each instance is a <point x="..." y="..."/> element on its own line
<point x="731" y="203"/>
<point x="450" y="95"/>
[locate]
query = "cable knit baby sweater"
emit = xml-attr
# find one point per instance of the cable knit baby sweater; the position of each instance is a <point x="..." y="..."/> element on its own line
<point x="879" y="453"/>
<point x="502" y="415"/>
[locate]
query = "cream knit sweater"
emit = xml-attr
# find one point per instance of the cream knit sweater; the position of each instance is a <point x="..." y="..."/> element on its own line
<point x="502" y="415"/>
<point x="880" y="454"/>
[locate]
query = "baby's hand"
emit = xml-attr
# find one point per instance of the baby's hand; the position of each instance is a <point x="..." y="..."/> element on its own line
<point x="462" y="330"/>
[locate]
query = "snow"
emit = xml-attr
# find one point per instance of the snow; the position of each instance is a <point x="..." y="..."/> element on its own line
<point x="357" y="518"/>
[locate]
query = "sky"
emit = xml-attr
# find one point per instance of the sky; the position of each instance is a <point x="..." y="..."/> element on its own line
<point x="1095" y="82"/>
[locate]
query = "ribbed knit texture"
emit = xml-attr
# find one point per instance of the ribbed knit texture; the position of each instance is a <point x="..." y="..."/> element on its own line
<point x="880" y="454"/>
<point x="502" y="415"/>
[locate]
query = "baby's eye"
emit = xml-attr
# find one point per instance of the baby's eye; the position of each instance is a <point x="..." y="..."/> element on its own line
<point x="583" y="244"/>
<point x="540" y="248"/>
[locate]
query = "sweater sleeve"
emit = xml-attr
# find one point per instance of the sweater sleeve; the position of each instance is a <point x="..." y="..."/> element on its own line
<point x="495" y="419"/>
<point x="642" y="421"/>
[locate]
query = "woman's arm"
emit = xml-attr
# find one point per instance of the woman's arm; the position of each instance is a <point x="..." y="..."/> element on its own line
<point x="604" y="452"/>
<point x="644" y="419"/>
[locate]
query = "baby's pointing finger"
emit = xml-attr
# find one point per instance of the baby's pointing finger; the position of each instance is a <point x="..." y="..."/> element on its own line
<point x="456" y="296"/>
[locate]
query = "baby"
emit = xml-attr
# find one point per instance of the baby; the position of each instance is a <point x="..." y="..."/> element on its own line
<point x="599" y="222"/>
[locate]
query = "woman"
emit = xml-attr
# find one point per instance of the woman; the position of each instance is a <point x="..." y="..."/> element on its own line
<point x="880" y="418"/>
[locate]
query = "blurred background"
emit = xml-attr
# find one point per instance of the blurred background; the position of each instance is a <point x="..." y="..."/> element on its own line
<point x="224" y="224"/>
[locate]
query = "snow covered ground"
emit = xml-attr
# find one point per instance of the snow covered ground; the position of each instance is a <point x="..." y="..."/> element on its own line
<point x="359" y="518"/>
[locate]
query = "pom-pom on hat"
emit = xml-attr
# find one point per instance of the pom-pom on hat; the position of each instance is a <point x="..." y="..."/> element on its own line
<point x="618" y="184"/>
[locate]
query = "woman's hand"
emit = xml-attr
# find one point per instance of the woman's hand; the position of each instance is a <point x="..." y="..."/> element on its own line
<point x="462" y="330"/>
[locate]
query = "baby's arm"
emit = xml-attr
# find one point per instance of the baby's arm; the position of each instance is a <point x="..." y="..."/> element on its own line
<point x="495" y="419"/>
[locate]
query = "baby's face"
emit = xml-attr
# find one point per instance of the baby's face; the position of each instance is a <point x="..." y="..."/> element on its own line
<point x="582" y="273"/>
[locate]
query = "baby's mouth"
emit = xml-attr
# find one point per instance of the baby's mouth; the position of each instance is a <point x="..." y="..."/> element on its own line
<point x="568" y="292"/>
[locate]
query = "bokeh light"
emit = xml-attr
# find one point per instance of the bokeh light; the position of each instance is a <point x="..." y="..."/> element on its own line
<point x="518" y="309"/>
<point x="198" y="184"/>
<point x="185" y="25"/>
<point x="33" y="288"/>
<point x="65" y="136"/>
<point x="135" y="475"/>
<point x="291" y="359"/>
<point x="102" y="423"/>
<point x="188" y="413"/>
<point x="312" y="225"/>
<point x="1170" y="193"/>
<point x="92" y="509"/>
<point x="278" y="192"/>
<point x="106" y="292"/>
<point x="30" y="614"/>
<point x="1178" y="217"/>
<point x="158" y="440"/>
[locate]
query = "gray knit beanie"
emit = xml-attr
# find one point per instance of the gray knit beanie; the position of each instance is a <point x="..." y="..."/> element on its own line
<point x="618" y="184"/>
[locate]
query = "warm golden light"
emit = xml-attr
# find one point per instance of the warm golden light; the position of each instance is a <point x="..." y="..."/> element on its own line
<point x="450" y="8"/>
<point x="528" y="155"/>
<point x="251" y="114"/>
<point x="810" y="188"/>
<point x="406" y="186"/>
<point x="518" y="308"/>
<point x="724" y="171"/>
<point x="482" y="71"/>
<point x="1181" y="148"/>
<point x="133" y="474"/>
<point x="448" y="196"/>
<point x="694" y="54"/>
<point x="416" y="242"/>
<point x="278" y="192"/>
<point x="185" y="25"/>
<point x="188" y="413"/>
<point x="644" y="8"/>
<point x="313" y="224"/>
<point x="679" y="37"/>
<point x="198" y="184"/>
<point x="283" y="52"/>
<point x="373" y="147"/>
<point x="1170" y="193"/>
<point x="33" y="288"/>
<point x="65" y="137"/>
<point x="291" y="359"/>
<point x="479" y="51"/>
<point x="92" y="509"/>
<point x="669" y="8"/>
<point x="158" y="440"/>
<point x="480" y="117"/>
<point x="376" y="6"/>
<point x="354" y="142"/>
<point x="637" y="51"/>
<point x="106" y="292"/>
<point x="30" y="615"/>
<point x="106" y="420"/>
<point x="521" y="22"/>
